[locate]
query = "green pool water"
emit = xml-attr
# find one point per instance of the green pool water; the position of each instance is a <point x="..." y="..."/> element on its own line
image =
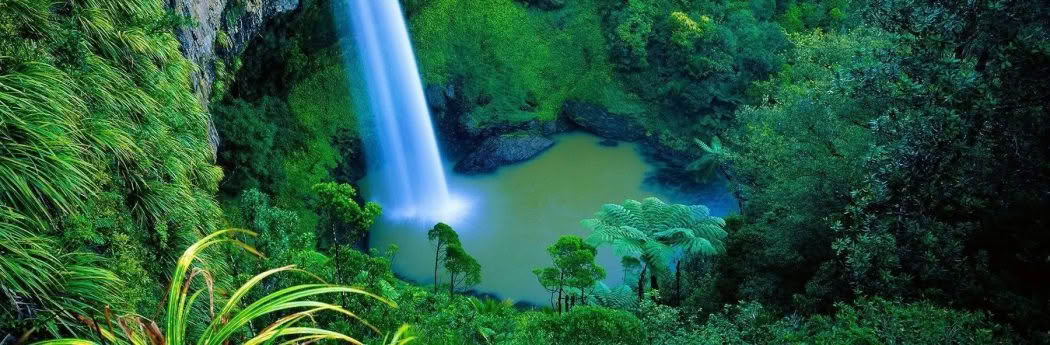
<point x="515" y="213"/>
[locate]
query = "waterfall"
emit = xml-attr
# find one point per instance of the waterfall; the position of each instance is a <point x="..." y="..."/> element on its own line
<point x="406" y="171"/>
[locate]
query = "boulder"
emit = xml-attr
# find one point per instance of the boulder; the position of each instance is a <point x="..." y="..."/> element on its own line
<point x="556" y="126"/>
<point x="599" y="121"/>
<point x="501" y="150"/>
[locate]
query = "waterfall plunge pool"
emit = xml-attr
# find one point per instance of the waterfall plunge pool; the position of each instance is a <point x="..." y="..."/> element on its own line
<point x="511" y="216"/>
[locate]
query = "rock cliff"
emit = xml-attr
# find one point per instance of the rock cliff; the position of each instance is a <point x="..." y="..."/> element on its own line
<point x="221" y="30"/>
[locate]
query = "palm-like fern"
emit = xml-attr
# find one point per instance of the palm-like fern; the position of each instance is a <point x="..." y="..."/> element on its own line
<point x="709" y="163"/>
<point x="232" y="317"/>
<point x="652" y="231"/>
<point x="693" y="230"/>
<point x="629" y="228"/>
<point x="620" y="297"/>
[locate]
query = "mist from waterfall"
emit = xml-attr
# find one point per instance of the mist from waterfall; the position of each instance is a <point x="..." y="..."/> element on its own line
<point x="405" y="165"/>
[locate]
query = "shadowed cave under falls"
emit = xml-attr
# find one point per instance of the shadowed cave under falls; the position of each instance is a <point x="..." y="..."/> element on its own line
<point x="505" y="219"/>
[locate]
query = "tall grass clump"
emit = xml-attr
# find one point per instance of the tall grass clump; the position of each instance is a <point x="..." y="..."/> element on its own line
<point x="103" y="148"/>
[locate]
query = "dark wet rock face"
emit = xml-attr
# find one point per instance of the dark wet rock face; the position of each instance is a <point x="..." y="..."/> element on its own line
<point x="460" y="133"/>
<point x="609" y="143"/>
<point x="498" y="151"/>
<point x="216" y="38"/>
<point x="599" y="121"/>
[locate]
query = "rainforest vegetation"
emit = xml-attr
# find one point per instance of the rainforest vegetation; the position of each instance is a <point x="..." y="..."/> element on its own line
<point x="890" y="159"/>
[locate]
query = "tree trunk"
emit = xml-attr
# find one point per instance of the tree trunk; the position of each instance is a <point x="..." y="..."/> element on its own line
<point x="560" y="299"/>
<point x="641" y="283"/>
<point x="338" y="265"/>
<point x="451" y="284"/>
<point x="437" y="258"/>
<point x="652" y="282"/>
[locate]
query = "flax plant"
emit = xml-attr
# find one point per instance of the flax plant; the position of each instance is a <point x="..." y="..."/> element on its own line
<point x="235" y="315"/>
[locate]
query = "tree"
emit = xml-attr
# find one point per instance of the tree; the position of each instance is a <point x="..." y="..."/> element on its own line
<point x="691" y="62"/>
<point x="442" y="236"/>
<point x="952" y="207"/>
<point x="461" y="267"/>
<point x="342" y="218"/>
<point x="906" y="160"/>
<point x="574" y="267"/>
<point x="281" y="236"/>
<point x="649" y="231"/>
<point x="634" y="25"/>
<point x="698" y="234"/>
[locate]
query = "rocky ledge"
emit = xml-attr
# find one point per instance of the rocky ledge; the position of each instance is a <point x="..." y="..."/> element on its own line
<point x="484" y="147"/>
<point x="460" y="134"/>
<point x="501" y="150"/>
<point x="599" y="121"/>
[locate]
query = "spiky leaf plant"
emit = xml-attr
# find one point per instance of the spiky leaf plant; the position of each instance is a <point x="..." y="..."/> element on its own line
<point x="103" y="144"/>
<point x="234" y="316"/>
<point x="41" y="285"/>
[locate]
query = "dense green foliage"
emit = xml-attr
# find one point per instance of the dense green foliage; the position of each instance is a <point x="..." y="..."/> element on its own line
<point x="891" y="160"/>
<point x="344" y="221"/>
<point x="288" y="121"/>
<point x="681" y="67"/>
<point x="516" y="65"/>
<point x="692" y="62"/>
<point x="888" y="161"/>
<point x="800" y="157"/>
<point x="104" y="150"/>
<point x="285" y="144"/>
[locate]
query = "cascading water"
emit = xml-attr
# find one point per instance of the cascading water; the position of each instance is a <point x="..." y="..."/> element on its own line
<point x="407" y="173"/>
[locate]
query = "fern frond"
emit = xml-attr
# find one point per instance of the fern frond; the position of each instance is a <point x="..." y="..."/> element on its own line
<point x="653" y="231"/>
<point x="621" y="297"/>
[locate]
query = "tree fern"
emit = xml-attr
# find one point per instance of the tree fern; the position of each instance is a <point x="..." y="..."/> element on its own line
<point x="620" y="297"/>
<point x="653" y="231"/>
<point x="712" y="156"/>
